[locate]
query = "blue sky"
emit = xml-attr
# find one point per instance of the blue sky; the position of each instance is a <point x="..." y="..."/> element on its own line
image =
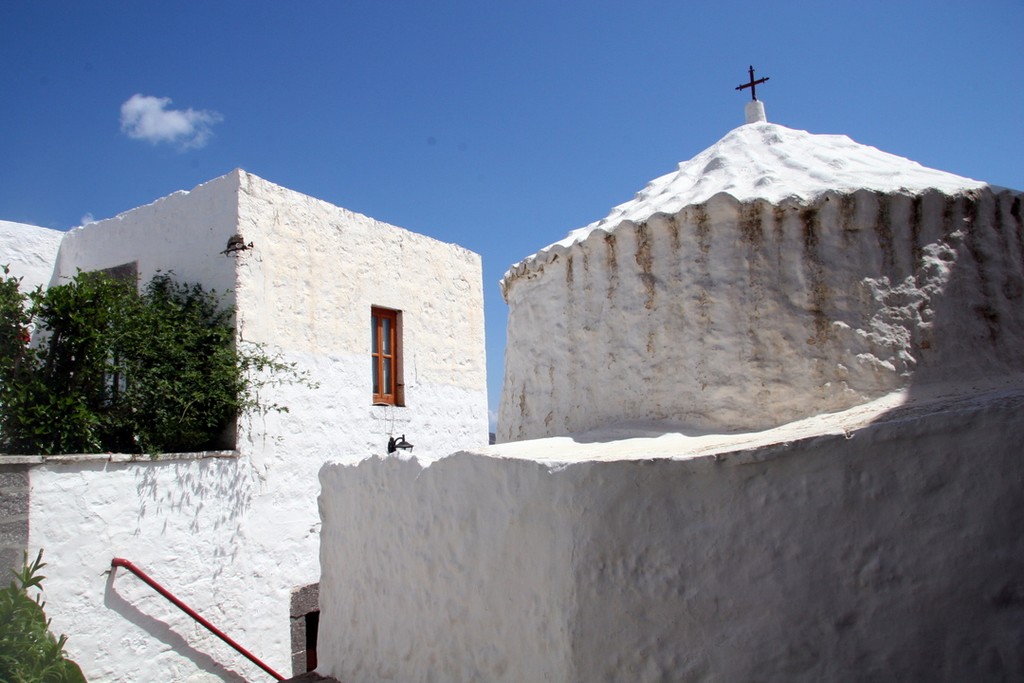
<point x="500" y="126"/>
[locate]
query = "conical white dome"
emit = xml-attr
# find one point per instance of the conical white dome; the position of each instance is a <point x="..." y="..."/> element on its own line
<point x="774" y="276"/>
<point x="771" y="162"/>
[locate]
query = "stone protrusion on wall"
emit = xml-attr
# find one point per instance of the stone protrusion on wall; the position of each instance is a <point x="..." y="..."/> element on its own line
<point x="304" y="601"/>
<point x="734" y="315"/>
<point x="14" y="501"/>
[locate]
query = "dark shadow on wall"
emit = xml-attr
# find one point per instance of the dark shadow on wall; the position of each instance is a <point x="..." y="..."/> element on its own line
<point x="163" y="633"/>
<point x="892" y="555"/>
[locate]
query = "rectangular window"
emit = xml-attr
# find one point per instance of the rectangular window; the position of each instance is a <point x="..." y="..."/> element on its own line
<point x="116" y="383"/>
<point x="384" y="352"/>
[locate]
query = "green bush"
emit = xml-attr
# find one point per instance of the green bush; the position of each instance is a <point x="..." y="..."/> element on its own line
<point x="29" y="653"/>
<point x="118" y="370"/>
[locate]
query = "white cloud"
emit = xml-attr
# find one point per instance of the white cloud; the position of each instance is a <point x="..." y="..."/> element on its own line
<point x="144" y="117"/>
<point x="87" y="218"/>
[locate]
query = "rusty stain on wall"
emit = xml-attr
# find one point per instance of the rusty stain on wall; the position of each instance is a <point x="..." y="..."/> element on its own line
<point x="883" y="233"/>
<point x="644" y="260"/>
<point x="820" y="295"/>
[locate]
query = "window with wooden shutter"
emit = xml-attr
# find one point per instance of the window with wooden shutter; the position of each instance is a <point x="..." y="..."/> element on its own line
<point x="384" y="350"/>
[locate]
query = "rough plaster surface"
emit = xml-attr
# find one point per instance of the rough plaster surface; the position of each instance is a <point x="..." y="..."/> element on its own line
<point x="318" y="268"/>
<point x="307" y="288"/>
<point x="206" y="529"/>
<point x="730" y="315"/>
<point x="29" y="251"/>
<point x="881" y="545"/>
<point x="235" y="537"/>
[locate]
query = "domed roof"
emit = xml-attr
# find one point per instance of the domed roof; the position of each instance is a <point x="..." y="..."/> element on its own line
<point x="774" y="276"/>
<point x="767" y="161"/>
<point x="771" y="162"/>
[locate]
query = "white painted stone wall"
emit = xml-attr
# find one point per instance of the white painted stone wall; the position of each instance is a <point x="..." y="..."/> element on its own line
<point x="881" y="543"/>
<point x="731" y="316"/>
<point x="307" y="287"/>
<point x="207" y="529"/>
<point x="182" y="233"/>
<point x="234" y="537"/>
<point x="29" y="251"/>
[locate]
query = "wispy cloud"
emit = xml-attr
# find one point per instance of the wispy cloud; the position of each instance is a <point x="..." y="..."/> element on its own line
<point x="144" y="117"/>
<point x="87" y="219"/>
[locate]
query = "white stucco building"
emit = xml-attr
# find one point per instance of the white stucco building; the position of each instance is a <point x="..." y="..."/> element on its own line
<point x="235" y="534"/>
<point x="761" y="423"/>
<point x="774" y="276"/>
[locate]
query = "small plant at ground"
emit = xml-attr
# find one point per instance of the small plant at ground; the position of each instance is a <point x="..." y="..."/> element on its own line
<point x="29" y="652"/>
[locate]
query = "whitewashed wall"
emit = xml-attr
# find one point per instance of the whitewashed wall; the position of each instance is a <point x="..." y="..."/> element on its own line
<point x="29" y="251"/>
<point x="734" y="316"/>
<point x="307" y="288"/>
<point x="884" y="546"/>
<point x="202" y="528"/>
<point x="183" y="232"/>
<point x="235" y="537"/>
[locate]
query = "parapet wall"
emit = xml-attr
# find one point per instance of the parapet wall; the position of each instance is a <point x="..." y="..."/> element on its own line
<point x="883" y="550"/>
<point x="202" y="524"/>
<point x="730" y="316"/>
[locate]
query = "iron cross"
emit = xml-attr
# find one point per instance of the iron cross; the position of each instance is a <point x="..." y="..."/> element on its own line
<point x="752" y="84"/>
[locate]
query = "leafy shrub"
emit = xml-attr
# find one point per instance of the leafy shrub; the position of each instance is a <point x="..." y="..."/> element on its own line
<point x="54" y="397"/>
<point x="181" y="380"/>
<point x="122" y="371"/>
<point x="29" y="653"/>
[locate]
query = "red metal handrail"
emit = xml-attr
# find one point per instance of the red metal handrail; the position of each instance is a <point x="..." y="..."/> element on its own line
<point x="119" y="562"/>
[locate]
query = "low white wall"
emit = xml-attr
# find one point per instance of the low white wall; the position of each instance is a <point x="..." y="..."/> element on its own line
<point x="879" y="550"/>
<point x="208" y="529"/>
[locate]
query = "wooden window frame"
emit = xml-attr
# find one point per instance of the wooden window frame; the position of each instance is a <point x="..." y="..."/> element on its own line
<point x="386" y="364"/>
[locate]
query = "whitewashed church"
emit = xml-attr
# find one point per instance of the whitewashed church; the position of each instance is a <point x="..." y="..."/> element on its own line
<point x="763" y="422"/>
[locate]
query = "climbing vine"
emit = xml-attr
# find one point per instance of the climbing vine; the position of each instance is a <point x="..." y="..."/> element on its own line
<point x="115" y="369"/>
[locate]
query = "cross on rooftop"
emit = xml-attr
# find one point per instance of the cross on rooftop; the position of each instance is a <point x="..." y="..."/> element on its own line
<point x="752" y="84"/>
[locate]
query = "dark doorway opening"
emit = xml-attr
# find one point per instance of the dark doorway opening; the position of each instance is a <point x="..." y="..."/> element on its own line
<point x="312" y="626"/>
